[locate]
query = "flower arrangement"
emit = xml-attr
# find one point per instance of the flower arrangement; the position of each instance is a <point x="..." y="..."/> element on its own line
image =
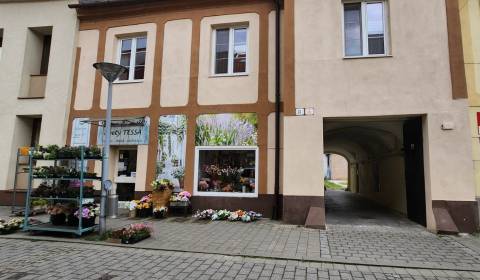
<point x="11" y="225"/>
<point x="233" y="216"/>
<point x="132" y="233"/>
<point x="143" y="207"/>
<point x="39" y="204"/>
<point x="183" y="196"/>
<point x="161" y="185"/>
<point x="132" y="205"/>
<point x="87" y="212"/>
<point x="160" y="212"/>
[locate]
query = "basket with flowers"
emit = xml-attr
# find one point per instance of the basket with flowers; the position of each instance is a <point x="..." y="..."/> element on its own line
<point x="144" y="207"/>
<point x="162" y="190"/>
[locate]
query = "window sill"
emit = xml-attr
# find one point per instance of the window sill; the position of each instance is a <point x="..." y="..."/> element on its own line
<point x="27" y="97"/>
<point x="228" y="75"/>
<point x="225" y="194"/>
<point x="368" y="56"/>
<point x="128" y="82"/>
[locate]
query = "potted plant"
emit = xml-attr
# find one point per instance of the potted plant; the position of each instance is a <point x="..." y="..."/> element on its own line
<point x="160" y="212"/>
<point x="39" y="205"/>
<point x="88" y="215"/>
<point x="10" y="226"/>
<point x="131" y="234"/>
<point x="179" y="174"/>
<point x="58" y="214"/>
<point x="144" y="207"/>
<point x="132" y="207"/>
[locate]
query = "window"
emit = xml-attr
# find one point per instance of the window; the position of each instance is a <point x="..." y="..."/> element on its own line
<point x="230" y="50"/>
<point x="132" y="55"/>
<point x="226" y="155"/>
<point x="364" y="28"/>
<point x="47" y="42"/>
<point x="226" y="171"/>
<point x="1" y="41"/>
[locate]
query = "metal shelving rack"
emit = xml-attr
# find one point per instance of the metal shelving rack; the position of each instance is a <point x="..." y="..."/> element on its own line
<point x="78" y="230"/>
<point x="16" y="209"/>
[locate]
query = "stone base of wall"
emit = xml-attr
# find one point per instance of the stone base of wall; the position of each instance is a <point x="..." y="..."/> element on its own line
<point x="456" y="216"/>
<point x="296" y="209"/>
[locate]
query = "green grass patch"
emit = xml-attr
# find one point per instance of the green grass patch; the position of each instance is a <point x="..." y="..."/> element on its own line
<point x="332" y="186"/>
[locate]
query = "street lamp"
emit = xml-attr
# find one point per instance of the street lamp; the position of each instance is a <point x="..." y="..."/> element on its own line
<point x="110" y="72"/>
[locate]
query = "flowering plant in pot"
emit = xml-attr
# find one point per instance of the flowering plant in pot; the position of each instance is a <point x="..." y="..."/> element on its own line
<point x="11" y="225"/>
<point x="161" y="185"/>
<point x="144" y="207"/>
<point x="88" y="214"/>
<point x="132" y="233"/>
<point x="132" y="207"/>
<point x="160" y="212"/>
<point x="39" y="205"/>
<point x="58" y="214"/>
<point x="179" y="174"/>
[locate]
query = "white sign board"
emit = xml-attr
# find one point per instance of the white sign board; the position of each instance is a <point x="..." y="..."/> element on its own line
<point x="127" y="132"/>
<point x="80" y="132"/>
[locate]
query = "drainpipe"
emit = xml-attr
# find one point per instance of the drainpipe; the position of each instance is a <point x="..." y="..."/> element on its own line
<point x="276" y="208"/>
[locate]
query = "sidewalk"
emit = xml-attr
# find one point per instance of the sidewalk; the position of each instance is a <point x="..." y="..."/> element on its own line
<point x="406" y="247"/>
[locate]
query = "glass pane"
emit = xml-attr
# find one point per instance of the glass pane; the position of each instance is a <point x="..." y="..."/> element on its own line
<point x="221" y="51"/>
<point x="221" y="66"/>
<point x="141" y="44"/>
<point x="126" y="45"/>
<point x="140" y="58"/>
<point x="124" y="75"/>
<point x="375" y="28"/>
<point x="125" y="59"/>
<point x="353" y="29"/>
<point x="139" y="72"/>
<point x="240" y="36"/>
<point x="230" y="171"/>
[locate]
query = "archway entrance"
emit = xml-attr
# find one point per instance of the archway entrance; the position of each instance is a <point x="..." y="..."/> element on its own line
<point x="385" y="182"/>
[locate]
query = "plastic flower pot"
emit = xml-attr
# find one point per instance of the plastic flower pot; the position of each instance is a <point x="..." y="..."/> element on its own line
<point x="86" y="222"/>
<point x="144" y="212"/>
<point x="159" y="214"/>
<point x="58" y="219"/>
<point x="136" y="238"/>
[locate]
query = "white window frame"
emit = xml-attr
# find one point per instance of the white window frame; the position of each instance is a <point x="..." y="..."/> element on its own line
<point x="364" y="20"/>
<point x="223" y="148"/>
<point x="231" y="41"/>
<point x="133" y="58"/>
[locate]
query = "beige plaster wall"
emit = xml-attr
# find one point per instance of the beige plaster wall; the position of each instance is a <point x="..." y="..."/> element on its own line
<point x="135" y="94"/>
<point x="414" y="80"/>
<point x="142" y="156"/>
<point x="303" y="156"/>
<point x="177" y="45"/>
<point x="15" y="20"/>
<point x="228" y="89"/>
<point x="88" y="42"/>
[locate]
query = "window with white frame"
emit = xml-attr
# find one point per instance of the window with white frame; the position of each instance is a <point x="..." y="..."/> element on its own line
<point x="230" y="50"/>
<point x="132" y="53"/>
<point x="365" y="28"/>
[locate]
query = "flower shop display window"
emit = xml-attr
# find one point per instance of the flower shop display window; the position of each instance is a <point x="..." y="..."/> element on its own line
<point x="226" y="171"/>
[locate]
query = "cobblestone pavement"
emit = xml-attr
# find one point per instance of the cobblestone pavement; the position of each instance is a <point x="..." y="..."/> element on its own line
<point x="24" y="259"/>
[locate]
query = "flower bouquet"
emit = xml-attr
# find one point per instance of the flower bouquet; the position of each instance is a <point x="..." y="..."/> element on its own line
<point x="10" y="226"/>
<point x="132" y="233"/>
<point x="88" y="215"/>
<point x="58" y="214"/>
<point x="160" y="212"/>
<point x="239" y="215"/>
<point x="221" y="215"/>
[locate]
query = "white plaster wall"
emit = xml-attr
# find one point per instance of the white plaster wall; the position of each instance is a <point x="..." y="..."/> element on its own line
<point x="177" y="47"/>
<point x="130" y="94"/>
<point x="228" y="89"/>
<point x="15" y="19"/>
<point x="88" y="42"/>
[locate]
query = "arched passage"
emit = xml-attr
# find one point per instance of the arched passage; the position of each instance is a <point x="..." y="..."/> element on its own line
<point x="377" y="162"/>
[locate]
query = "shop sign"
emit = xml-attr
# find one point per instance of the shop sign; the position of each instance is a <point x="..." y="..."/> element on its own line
<point x="80" y="132"/>
<point x="127" y="132"/>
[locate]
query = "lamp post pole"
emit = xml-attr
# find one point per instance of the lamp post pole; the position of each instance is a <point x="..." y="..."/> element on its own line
<point x="110" y="72"/>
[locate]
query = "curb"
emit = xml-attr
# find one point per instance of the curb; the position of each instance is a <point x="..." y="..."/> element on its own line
<point x="253" y="256"/>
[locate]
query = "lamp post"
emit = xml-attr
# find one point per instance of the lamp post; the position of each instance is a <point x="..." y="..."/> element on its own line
<point x="110" y="72"/>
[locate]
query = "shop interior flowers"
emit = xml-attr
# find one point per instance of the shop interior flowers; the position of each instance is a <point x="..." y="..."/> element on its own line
<point x="233" y="216"/>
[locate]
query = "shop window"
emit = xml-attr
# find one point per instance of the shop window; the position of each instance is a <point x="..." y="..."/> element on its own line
<point x="171" y="148"/>
<point x="230" y="50"/>
<point x="132" y="53"/>
<point x="226" y="155"/>
<point x="365" y="28"/>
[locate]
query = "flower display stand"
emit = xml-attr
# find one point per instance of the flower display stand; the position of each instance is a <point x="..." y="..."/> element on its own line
<point x="58" y="223"/>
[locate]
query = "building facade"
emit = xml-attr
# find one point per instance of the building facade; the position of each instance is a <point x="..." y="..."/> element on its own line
<point x="470" y="18"/>
<point x="36" y="58"/>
